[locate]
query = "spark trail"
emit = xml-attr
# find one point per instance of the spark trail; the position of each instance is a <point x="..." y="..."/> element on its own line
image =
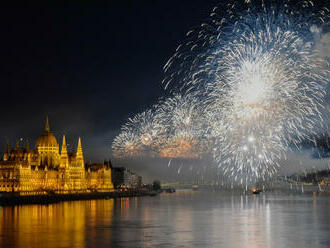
<point x="255" y="82"/>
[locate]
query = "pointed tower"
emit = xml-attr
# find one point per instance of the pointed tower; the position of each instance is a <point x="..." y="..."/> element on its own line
<point x="64" y="155"/>
<point x="79" y="155"/>
<point x="7" y="147"/>
<point x="6" y="155"/>
<point x="27" y="145"/>
<point x="47" y="129"/>
<point x="27" y="155"/>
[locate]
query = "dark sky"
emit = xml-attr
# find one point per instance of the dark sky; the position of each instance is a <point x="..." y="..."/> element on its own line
<point x="88" y="66"/>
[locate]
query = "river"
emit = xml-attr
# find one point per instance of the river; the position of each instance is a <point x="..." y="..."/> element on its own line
<point x="182" y="219"/>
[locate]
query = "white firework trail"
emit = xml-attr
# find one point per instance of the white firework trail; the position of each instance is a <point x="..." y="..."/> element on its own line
<point x="256" y="71"/>
<point x="248" y="84"/>
<point x="179" y="114"/>
<point x="181" y="118"/>
<point x="144" y="126"/>
<point x="138" y="137"/>
<point x="169" y="163"/>
<point x="126" y="145"/>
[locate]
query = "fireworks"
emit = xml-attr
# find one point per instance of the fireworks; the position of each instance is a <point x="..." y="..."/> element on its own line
<point x="126" y="145"/>
<point x="251" y="84"/>
<point x="144" y="126"/>
<point x="170" y="130"/>
<point x="138" y="136"/>
<point x="180" y="117"/>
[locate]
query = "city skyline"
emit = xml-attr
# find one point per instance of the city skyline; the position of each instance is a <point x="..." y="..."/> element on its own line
<point x="165" y="123"/>
<point x="88" y="68"/>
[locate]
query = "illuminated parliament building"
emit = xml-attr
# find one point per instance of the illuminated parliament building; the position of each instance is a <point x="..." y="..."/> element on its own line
<point x="45" y="168"/>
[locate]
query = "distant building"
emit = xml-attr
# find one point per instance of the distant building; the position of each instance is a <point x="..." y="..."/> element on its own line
<point x="325" y="181"/>
<point x="125" y="177"/>
<point x="45" y="168"/>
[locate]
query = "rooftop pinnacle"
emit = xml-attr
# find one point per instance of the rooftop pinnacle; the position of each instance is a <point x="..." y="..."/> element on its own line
<point x="47" y="125"/>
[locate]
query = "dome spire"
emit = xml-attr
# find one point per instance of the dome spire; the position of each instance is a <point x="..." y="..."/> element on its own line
<point x="46" y="140"/>
<point x="47" y="125"/>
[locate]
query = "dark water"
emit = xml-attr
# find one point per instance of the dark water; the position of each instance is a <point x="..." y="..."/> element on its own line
<point x="182" y="219"/>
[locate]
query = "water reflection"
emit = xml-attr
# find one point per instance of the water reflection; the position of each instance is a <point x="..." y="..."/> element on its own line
<point x="65" y="224"/>
<point x="183" y="219"/>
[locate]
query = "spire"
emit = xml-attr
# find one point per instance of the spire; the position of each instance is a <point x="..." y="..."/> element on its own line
<point x="27" y="144"/>
<point x="64" y="150"/>
<point x="64" y="154"/>
<point x="79" y="144"/>
<point x="6" y="155"/>
<point x="7" y="147"/>
<point x="79" y="149"/>
<point x="47" y="125"/>
<point x="79" y="154"/>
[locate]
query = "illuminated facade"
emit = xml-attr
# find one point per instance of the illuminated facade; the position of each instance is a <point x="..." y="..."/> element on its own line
<point x="46" y="169"/>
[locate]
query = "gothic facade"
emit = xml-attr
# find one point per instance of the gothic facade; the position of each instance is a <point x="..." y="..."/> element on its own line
<point x="45" y="168"/>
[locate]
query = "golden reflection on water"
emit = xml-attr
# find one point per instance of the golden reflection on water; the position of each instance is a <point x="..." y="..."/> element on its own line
<point x="183" y="219"/>
<point x="56" y="225"/>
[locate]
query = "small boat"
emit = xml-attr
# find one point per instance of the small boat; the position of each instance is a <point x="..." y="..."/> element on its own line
<point x="255" y="190"/>
<point x="195" y="187"/>
<point x="153" y="193"/>
<point x="170" y="190"/>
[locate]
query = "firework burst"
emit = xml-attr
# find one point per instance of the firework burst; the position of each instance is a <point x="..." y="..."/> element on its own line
<point x="126" y="145"/>
<point x="257" y="73"/>
<point x="139" y="136"/>
<point x="247" y="84"/>
<point x="180" y="116"/>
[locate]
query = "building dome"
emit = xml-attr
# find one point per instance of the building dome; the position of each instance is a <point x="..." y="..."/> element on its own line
<point x="48" y="149"/>
<point x="47" y="138"/>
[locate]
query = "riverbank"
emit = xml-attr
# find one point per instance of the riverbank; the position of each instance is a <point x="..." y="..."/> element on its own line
<point x="17" y="199"/>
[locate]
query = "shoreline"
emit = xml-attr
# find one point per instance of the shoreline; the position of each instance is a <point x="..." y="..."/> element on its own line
<point x="12" y="199"/>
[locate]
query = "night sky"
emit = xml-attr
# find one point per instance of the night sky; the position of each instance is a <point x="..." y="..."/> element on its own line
<point x="87" y="66"/>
